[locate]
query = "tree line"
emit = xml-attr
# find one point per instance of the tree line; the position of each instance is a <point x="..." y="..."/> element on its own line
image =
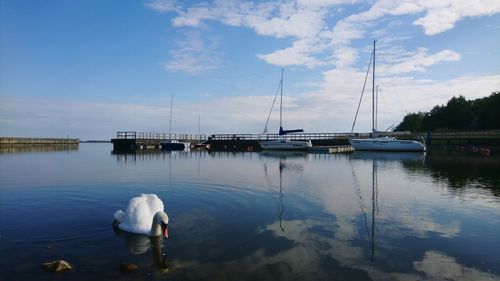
<point x="457" y="114"/>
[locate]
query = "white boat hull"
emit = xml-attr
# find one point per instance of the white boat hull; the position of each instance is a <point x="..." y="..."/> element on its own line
<point x="386" y="144"/>
<point x="285" y="144"/>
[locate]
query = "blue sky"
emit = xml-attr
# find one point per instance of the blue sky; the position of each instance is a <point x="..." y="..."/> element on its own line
<point x="90" y="68"/>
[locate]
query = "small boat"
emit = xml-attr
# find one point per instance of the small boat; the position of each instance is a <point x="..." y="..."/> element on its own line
<point x="172" y="144"/>
<point x="383" y="143"/>
<point x="283" y="143"/>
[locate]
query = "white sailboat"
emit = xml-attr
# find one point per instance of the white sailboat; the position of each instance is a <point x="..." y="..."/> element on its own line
<point x="284" y="143"/>
<point x="383" y="143"/>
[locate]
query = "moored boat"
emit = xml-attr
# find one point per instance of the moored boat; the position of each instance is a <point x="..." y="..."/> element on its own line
<point x="284" y="143"/>
<point x="382" y="143"/>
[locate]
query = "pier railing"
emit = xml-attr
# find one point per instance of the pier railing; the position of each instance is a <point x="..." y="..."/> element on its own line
<point x="491" y="134"/>
<point x="160" y="136"/>
<point x="301" y="136"/>
<point x="203" y="137"/>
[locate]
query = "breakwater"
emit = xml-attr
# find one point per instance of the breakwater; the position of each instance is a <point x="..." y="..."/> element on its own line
<point x="6" y="141"/>
<point x="15" y="144"/>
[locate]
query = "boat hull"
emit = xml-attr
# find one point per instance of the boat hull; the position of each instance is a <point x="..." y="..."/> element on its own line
<point x="285" y="145"/>
<point x="170" y="146"/>
<point x="386" y="145"/>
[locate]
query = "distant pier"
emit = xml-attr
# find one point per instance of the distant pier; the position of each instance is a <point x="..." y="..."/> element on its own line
<point x="16" y="144"/>
<point x="4" y="141"/>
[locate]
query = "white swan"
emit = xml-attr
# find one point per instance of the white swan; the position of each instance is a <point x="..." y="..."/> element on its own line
<point x="144" y="215"/>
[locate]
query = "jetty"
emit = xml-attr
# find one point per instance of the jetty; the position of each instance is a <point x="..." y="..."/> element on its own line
<point x="131" y="140"/>
<point x="331" y="142"/>
<point x="5" y="141"/>
<point x="17" y="144"/>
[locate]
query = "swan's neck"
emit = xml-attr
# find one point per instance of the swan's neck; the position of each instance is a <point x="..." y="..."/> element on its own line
<point x="155" y="229"/>
<point x="156" y="226"/>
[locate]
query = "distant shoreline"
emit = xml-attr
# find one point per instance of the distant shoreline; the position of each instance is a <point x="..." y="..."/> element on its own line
<point x="96" y="141"/>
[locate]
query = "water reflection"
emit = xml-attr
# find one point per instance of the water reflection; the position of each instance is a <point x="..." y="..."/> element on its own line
<point x="150" y="154"/>
<point x="462" y="170"/>
<point x="258" y="216"/>
<point x="13" y="148"/>
<point x="140" y="244"/>
<point x="412" y="157"/>
<point x="281" y="208"/>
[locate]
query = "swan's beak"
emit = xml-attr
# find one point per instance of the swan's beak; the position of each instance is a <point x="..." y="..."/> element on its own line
<point x="165" y="231"/>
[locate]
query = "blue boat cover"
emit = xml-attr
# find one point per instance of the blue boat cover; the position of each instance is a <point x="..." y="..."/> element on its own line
<point x="284" y="132"/>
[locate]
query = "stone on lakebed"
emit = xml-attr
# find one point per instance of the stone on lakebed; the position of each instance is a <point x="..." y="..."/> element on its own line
<point x="128" y="267"/>
<point x="57" y="266"/>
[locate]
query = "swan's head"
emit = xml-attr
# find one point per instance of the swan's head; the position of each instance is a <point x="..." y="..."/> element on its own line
<point x="160" y="220"/>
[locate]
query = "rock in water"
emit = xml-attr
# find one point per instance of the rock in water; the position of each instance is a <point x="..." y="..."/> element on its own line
<point x="127" y="267"/>
<point x="57" y="266"/>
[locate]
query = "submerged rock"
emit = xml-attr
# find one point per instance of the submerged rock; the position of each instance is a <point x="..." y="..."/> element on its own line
<point x="57" y="266"/>
<point x="128" y="267"/>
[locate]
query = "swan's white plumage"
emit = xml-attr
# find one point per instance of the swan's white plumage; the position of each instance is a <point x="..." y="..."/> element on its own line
<point x="139" y="214"/>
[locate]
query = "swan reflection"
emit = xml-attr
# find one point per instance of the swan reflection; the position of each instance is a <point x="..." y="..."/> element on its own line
<point x="140" y="244"/>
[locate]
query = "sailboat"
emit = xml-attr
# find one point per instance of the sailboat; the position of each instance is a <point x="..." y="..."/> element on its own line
<point x="284" y="143"/>
<point x="384" y="143"/>
<point x="171" y="144"/>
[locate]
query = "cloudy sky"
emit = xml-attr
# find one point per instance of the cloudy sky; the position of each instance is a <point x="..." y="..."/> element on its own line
<point x="89" y="68"/>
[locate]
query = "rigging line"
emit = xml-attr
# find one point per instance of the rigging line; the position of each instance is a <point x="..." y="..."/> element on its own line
<point x="272" y="105"/>
<point x="362" y="92"/>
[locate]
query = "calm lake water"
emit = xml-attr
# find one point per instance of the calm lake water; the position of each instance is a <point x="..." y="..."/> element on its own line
<point x="253" y="216"/>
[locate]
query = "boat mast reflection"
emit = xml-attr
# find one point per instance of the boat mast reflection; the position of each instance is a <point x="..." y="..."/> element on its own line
<point x="370" y="232"/>
<point x="296" y="166"/>
<point x="281" y="207"/>
<point x="374" y="206"/>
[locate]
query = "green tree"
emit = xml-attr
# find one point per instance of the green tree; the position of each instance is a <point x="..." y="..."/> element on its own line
<point x="412" y="122"/>
<point x="457" y="114"/>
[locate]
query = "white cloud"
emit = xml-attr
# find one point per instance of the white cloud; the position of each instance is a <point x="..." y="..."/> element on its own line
<point x="298" y="54"/>
<point x="162" y="6"/>
<point x="442" y="15"/>
<point x="308" y="23"/>
<point x="304" y="21"/>
<point x="417" y="61"/>
<point x="195" y="54"/>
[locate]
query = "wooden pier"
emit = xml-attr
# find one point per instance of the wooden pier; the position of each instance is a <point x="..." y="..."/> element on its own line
<point x="130" y="140"/>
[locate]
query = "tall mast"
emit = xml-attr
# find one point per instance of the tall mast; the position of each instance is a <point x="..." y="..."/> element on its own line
<point x="170" y="126"/>
<point x="281" y="98"/>
<point x="376" y="109"/>
<point x="373" y="90"/>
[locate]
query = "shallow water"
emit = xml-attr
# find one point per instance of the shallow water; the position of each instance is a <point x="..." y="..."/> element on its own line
<point x="253" y="216"/>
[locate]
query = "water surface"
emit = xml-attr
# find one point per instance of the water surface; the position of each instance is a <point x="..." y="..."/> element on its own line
<point x="253" y="216"/>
